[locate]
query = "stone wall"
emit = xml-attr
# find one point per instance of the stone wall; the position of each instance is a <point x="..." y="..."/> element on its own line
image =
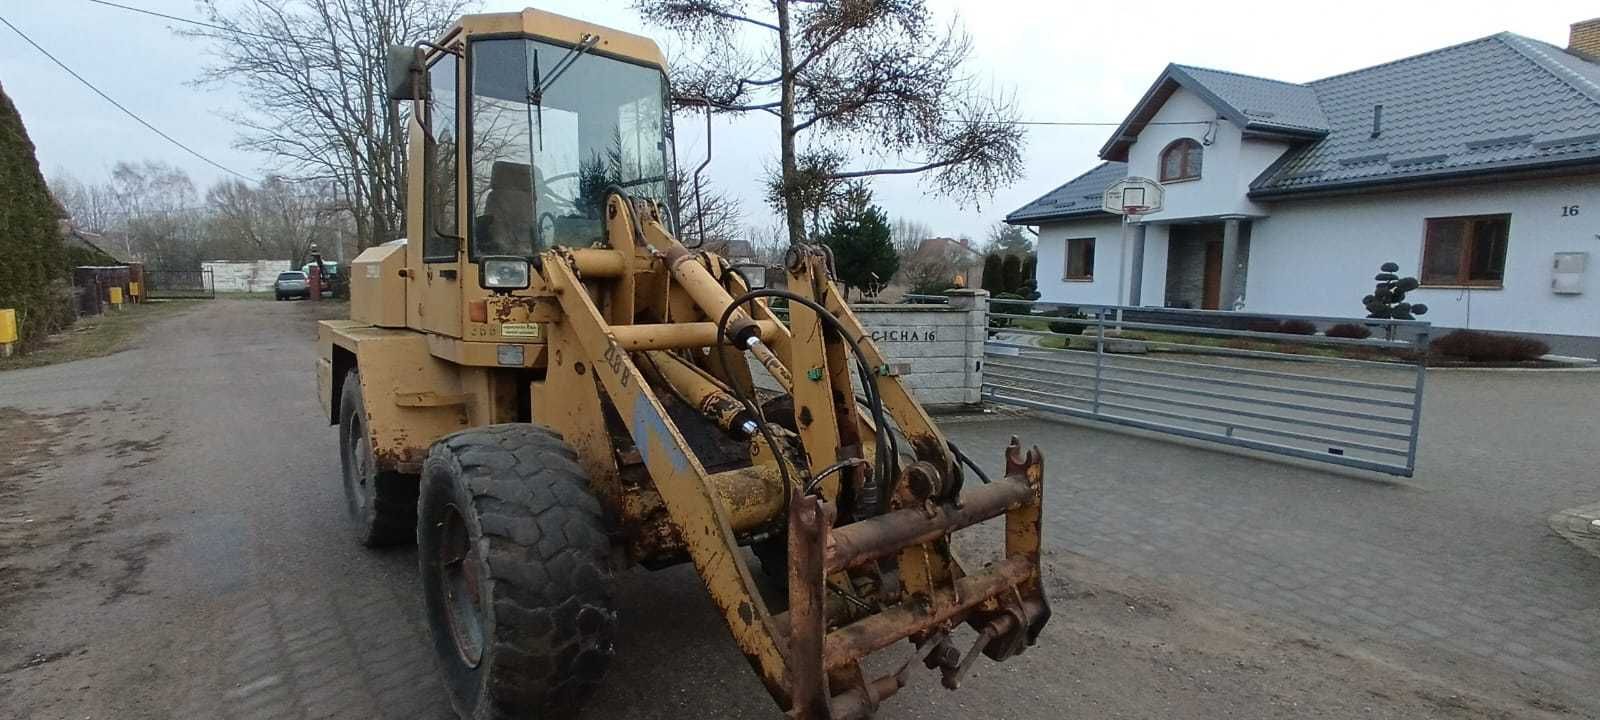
<point x="248" y="276"/>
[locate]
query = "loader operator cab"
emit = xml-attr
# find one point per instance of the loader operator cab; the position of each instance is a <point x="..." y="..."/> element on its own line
<point x="521" y="122"/>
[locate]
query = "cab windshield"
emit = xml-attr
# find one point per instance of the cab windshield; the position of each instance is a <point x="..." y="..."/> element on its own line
<point x="550" y="131"/>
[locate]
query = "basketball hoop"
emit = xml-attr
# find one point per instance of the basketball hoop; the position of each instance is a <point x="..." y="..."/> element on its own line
<point x="1133" y="196"/>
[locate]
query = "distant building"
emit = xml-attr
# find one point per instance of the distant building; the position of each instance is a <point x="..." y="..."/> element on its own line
<point x="1476" y="167"/>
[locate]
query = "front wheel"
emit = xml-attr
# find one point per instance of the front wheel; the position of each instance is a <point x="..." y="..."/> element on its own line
<point x="513" y="554"/>
<point x="381" y="504"/>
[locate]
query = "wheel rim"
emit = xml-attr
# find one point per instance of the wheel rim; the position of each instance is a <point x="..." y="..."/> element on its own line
<point x="458" y="574"/>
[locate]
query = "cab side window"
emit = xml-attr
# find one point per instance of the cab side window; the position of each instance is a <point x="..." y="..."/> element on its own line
<point x="442" y="243"/>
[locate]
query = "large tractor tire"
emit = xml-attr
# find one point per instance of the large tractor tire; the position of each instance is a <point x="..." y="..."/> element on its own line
<point x="381" y="505"/>
<point x="514" y="557"/>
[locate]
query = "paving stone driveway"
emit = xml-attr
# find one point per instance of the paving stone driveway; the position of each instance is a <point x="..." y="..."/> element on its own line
<point x="1457" y="559"/>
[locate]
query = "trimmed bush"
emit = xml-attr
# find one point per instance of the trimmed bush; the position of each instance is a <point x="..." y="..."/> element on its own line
<point x="1298" y="327"/>
<point x="33" y="263"/>
<point x="998" y="304"/>
<point x="1068" y="328"/>
<point x="1349" y="330"/>
<point x="1476" y="346"/>
<point x="1264" y="325"/>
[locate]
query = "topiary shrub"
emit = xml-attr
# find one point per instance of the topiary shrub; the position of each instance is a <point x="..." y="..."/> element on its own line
<point x="998" y="304"/>
<point x="1387" y="300"/>
<point x="1297" y="327"/>
<point x="1349" y="330"/>
<point x="1475" y="346"/>
<point x="1068" y="328"/>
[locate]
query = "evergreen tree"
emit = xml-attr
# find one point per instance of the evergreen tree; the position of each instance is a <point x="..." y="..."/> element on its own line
<point x="859" y="236"/>
<point x="33" y="262"/>
<point x="1011" y="274"/>
<point x="992" y="271"/>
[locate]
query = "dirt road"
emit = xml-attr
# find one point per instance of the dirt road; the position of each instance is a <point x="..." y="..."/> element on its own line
<point x="171" y="546"/>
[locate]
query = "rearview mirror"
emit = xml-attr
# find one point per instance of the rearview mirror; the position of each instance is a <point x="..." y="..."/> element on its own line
<point x="402" y="61"/>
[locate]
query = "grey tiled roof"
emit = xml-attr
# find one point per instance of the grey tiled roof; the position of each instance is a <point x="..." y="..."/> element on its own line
<point x="1079" y="197"/>
<point x="1261" y="103"/>
<point x="1499" y="104"/>
<point x="1504" y="102"/>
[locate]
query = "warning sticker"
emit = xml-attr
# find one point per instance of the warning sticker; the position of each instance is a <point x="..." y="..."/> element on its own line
<point x="520" y="330"/>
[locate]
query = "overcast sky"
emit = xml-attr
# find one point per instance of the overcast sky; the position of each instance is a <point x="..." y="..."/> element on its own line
<point x="1062" y="61"/>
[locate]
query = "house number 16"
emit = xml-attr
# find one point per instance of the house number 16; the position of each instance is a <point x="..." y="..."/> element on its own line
<point x="1569" y="211"/>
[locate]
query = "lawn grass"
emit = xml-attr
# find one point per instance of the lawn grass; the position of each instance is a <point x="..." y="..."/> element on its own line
<point x="99" y="336"/>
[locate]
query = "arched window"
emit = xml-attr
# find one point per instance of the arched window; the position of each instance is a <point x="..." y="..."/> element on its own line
<point x="1181" y="160"/>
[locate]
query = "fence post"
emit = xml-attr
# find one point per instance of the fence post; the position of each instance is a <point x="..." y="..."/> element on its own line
<point x="1099" y="353"/>
<point x="976" y="305"/>
<point x="1422" y="342"/>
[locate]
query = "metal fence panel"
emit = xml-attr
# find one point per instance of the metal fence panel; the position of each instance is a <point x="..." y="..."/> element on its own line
<point x="1244" y="379"/>
<point x="179" y="284"/>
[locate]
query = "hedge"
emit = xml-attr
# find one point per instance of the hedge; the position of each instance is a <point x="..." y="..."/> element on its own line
<point x="33" y="262"/>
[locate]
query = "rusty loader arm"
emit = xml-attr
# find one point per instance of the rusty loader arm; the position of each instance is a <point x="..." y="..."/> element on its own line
<point x="864" y="492"/>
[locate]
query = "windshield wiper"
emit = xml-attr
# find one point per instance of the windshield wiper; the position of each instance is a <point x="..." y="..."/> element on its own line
<point x="537" y="96"/>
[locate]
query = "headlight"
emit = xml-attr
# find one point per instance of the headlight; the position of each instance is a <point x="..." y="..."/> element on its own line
<point x="503" y="273"/>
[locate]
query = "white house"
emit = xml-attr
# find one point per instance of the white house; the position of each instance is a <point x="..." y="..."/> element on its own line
<point x="1476" y="167"/>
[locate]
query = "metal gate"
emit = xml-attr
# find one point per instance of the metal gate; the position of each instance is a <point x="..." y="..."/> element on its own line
<point x="1249" y="380"/>
<point x="179" y="284"/>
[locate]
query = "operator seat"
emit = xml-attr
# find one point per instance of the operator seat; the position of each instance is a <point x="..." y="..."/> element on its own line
<point x="506" y="228"/>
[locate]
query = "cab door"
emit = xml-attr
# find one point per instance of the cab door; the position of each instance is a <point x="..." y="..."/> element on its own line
<point x="433" y="292"/>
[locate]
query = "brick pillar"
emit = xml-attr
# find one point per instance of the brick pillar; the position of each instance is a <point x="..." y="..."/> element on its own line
<point x="976" y="304"/>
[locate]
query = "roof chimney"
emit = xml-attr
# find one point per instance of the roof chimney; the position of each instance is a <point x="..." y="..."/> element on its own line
<point x="1585" y="39"/>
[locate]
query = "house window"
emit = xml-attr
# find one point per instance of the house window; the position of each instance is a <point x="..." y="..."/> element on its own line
<point x="1466" y="250"/>
<point x="1180" y="161"/>
<point x="1080" y="259"/>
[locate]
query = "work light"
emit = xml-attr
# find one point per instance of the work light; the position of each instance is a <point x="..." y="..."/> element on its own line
<point x="503" y="273"/>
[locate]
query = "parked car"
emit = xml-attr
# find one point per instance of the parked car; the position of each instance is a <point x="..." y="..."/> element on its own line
<point x="291" y="283"/>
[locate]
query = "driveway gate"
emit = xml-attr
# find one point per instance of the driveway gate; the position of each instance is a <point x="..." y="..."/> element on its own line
<point x="174" y="284"/>
<point x="1248" y="380"/>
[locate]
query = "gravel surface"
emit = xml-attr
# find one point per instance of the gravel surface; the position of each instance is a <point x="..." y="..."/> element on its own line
<point x="170" y="546"/>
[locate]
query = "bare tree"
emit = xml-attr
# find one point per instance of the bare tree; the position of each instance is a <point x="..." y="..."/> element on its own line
<point x="90" y="206"/>
<point x="156" y="211"/>
<point x="312" y="72"/>
<point x="908" y="235"/>
<point x="716" y="218"/>
<point x="876" y="73"/>
<point x="277" y="220"/>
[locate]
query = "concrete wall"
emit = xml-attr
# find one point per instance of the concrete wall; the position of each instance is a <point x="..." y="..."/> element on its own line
<point x="936" y="349"/>
<point x="252" y="276"/>
<point x="1319" y="256"/>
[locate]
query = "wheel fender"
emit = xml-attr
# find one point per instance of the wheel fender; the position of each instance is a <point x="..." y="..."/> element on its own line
<point x="412" y="397"/>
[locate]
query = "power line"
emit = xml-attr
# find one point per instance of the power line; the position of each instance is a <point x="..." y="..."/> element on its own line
<point x="236" y="31"/>
<point x="123" y="108"/>
<point x="175" y="18"/>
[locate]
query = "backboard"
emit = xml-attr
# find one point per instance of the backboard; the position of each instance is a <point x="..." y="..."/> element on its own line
<point x="1133" y="196"/>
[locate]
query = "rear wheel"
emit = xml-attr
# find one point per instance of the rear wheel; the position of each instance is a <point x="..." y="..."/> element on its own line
<point x="513" y="554"/>
<point x="381" y="505"/>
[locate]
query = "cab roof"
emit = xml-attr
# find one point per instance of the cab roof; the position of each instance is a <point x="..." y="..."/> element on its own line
<point x="565" y="30"/>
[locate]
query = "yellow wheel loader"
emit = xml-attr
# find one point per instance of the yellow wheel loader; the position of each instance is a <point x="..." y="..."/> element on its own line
<point x="543" y="387"/>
